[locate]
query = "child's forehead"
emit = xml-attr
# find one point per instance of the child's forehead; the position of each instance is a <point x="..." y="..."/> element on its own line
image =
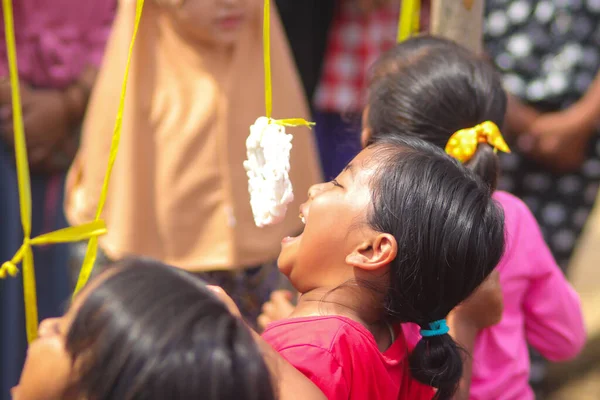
<point x="362" y="161"/>
<point x="365" y="164"/>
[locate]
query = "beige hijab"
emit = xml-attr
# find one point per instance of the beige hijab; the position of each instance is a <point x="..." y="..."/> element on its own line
<point x="179" y="191"/>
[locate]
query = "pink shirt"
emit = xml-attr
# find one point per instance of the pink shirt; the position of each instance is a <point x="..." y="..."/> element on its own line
<point x="342" y="358"/>
<point x="540" y="308"/>
<point x="57" y="39"/>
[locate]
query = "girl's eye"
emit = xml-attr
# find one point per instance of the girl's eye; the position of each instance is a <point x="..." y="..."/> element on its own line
<point x="336" y="183"/>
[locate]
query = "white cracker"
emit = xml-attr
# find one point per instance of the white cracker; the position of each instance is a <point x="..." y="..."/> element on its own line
<point x="268" y="165"/>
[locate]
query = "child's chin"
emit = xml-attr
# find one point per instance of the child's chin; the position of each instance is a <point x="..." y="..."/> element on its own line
<point x="285" y="262"/>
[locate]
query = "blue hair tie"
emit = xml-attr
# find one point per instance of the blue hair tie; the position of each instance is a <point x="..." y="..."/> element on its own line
<point x="436" y="328"/>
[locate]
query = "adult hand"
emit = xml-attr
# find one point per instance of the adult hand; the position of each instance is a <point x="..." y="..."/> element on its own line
<point x="519" y="117"/>
<point x="484" y="307"/>
<point x="558" y="140"/>
<point x="46" y="121"/>
<point x="277" y="308"/>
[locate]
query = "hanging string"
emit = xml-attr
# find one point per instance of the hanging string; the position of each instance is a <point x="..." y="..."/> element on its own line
<point x="92" y="249"/>
<point x="86" y="231"/>
<point x="267" y="58"/>
<point x="409" y="19"/>
<point x="268" y="79"/>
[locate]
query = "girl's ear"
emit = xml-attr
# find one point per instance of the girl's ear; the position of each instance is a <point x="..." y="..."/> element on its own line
<point x="374" y="254"/>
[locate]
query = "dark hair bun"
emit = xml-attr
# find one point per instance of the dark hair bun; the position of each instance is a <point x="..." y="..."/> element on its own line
<point x="436" y="361"/>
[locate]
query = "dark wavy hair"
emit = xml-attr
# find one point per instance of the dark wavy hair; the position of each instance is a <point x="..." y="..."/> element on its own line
<point x="450" y="236"/>
<point x="153" y="332"/>
<point x="430" y="87"/>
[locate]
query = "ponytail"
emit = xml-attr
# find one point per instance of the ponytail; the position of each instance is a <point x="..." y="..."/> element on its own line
<point x="436" y="361"/>
<point x="430" y="87"/>
<point x="486" y="165"/>
<point x="450" y="237"/>
<point x="476" y="148"/>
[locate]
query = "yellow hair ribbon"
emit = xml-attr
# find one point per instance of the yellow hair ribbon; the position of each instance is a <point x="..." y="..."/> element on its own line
<point x="92" y="249"/>
<point x="86" y="231"/>
<point x="409" y="19"/>
<point x="268" y="80"/>
<point x="463" y="143"/>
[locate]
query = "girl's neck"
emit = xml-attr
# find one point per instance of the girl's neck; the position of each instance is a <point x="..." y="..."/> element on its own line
<point x="356" y="303"/>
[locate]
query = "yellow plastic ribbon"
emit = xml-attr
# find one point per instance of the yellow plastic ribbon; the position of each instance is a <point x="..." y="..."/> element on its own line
<point x="86" y="231"/>
<point x="463" y="143"/>
<point x="267" y="58"/>
<point x="92" y="249"/>
<point x="409" y="19"/>
<point x="268" y="80"/>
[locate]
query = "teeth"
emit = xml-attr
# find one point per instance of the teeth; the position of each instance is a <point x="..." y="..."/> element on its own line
<point x="302" y="219"/>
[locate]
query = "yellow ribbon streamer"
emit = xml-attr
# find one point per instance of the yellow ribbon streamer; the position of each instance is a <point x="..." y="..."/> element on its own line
<point x="86" y="231"/>
<point x="267" y="58"/>
<point x="409" y="19"/>
<point x="29" y="295"/>
<point x="293" y="122"/>
<point x="20" y="147"/>
<point x="92" y="249"/>
<point x="268" y="80"/>
<point x="462" y="145"/>
<point x="70" y="234"/>
<point x="22" y="163"/>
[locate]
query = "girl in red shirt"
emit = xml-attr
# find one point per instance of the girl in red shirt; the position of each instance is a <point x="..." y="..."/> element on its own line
<point x="403" y="234"/>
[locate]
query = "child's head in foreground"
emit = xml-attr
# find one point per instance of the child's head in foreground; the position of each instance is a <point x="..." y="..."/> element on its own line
<point x="143" y="330"/>
<point x="413" y="230"/>
<point x="430" y="88"/>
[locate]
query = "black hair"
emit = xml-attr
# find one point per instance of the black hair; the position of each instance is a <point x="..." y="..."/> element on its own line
<point x="149" y="331"/>
<point x="450" y="236"/>
<point x="430" y="87"/>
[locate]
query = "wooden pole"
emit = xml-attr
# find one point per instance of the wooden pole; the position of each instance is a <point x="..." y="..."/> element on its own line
<point x="459" y="20"/>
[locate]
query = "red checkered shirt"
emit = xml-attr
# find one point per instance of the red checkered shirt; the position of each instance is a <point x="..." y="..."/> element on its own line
<point x="355" y="41"/>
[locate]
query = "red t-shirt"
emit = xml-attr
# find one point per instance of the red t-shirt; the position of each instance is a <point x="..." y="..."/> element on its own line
<point x="341" y="357"/>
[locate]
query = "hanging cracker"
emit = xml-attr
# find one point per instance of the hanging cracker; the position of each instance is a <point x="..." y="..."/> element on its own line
<point x="268" y="151"/>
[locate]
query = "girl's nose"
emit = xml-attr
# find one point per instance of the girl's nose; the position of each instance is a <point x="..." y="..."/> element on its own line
<point x="314" y="190"/>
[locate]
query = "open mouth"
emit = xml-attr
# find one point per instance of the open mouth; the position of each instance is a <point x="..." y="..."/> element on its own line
<point x="302" y="216"/>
